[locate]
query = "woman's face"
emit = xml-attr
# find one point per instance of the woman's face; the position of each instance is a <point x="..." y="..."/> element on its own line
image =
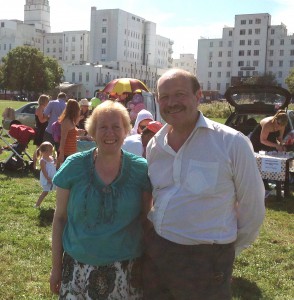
<point x="110" y="132"/>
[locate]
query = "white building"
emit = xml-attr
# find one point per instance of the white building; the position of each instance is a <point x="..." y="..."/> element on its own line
<point x="119" y="44"/>
<point x="252" y="47"/>
<point x="186" y="62"/>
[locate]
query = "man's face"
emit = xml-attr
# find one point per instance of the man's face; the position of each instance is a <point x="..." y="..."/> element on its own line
<point x="177" y="103"/>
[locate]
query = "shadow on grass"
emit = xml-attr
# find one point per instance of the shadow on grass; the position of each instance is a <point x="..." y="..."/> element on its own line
<point x="21" y="173"/>
<point x="244" y="289"/>
<point x="285" y="204"/>
<point x="46" y="217"/>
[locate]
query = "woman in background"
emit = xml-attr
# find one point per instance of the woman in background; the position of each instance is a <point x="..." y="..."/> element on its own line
<point x="268" y="135"/>
<point x="69" y="131"/>
<point x="41" y="124"/>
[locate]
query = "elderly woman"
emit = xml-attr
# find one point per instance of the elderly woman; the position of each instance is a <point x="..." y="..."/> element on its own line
<point x="102" y="196"/>
<point x="268" y="135"/>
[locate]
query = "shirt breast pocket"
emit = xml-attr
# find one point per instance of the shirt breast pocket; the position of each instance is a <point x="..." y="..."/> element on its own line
<point x="202" y="177"/>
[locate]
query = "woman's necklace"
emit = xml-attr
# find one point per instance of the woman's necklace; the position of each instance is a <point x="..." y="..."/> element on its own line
<point x="107" y="175"/>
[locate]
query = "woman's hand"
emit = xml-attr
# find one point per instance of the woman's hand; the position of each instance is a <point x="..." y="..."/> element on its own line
<point x="55" y="280"/>
<point x="280" y="147"/>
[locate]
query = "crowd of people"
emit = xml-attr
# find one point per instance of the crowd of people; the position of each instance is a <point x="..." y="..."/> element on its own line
<point x="153" y="211"/>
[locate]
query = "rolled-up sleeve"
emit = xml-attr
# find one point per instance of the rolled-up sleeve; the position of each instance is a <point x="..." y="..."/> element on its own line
<point x="250" y="193"/>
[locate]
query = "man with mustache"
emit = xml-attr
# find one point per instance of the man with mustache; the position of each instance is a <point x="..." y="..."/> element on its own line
<point x="208" y="198"/>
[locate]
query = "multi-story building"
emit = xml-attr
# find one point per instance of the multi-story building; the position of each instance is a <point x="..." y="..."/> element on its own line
<point x="186" y="62"/>
<point x="253" y="47"/>
<point x="119" y="44"/>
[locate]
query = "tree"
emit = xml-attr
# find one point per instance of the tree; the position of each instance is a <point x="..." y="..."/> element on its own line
<point x="26" y="69"/>
<point x="265" y="79"/>
<point x="290" y="82"/>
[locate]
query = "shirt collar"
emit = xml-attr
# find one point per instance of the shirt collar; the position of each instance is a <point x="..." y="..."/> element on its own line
<point x="202" y="122"/>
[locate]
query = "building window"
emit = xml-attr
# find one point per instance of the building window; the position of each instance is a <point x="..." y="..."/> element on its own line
<point x="73" y="76"/>
<point x="103" y="40"/>
<point x="243" y="22"/>
<point x="229" y="53"/>
<point x="256" y="42"/>
<point x="242" y="32"/>
<point x="211" y="44"/>
<point x="280" y="63"/>
<point x="282" y="42"/>
<point x="292" y="52"/>
<point x="272" y="31"/>
<point x="220" y="43"/>
<point x="249" y="31"/>
<point x="103" y="51"/>
<point x="272" y="42"/>
<point x="219" y="74"/>
<point x="240" y="73"/>
<point x="281" y="52"/>
<point x="230" y="43"/>
<point x="228" y="64"/>
<point x="230" y="33"/>
<point x="103" y="29"/>
<point x="250" y="21"/>
<point x="249" y="42"/>
<point x="241" y="63"/>
<point x="257" y="30"/>
<point x="242" y="42"/>
<point x="257" y="21"/>
<point x="291" y="63"/>
<point x="255" y="63"/>
<point x="280" y="74"/>
<point x="219" y="64"/>
<point x="248" y="52"/>
<point x="241" y="53"/>
<point x="270" y="63"/>
<point x="218" y="86"/>
<point x="209" y="74"/>
<point x="271" y="53"/>
<point x="220" y="54"/>
<point x="256" y="52"/>
<point x="228" y="74"/>
<point x="292" y="41"/>
<point x="210" y="64"/>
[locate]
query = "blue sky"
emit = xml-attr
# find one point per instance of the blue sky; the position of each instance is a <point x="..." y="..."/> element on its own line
<point x="183" y="21"/>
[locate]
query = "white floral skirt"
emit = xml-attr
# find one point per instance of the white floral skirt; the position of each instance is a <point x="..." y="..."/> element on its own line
<point x="119" y="280"/>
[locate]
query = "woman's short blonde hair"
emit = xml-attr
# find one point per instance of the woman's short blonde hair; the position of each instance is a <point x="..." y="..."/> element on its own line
<point x="106" y="107"/>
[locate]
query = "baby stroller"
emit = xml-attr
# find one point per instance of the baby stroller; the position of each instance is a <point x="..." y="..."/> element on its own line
<point x="19" y="159"/>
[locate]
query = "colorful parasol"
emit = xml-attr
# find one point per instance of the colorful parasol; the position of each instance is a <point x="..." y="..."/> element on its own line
<point x="125" y="85"/>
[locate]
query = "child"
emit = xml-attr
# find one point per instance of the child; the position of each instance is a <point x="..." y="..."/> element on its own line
<point x="48" y="170"/>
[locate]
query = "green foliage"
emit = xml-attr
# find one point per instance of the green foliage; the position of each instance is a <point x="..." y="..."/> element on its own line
<point x="265" y="79"/>
<point x="216" y="109"/>
<point x="26" y="69"/>
<point x="290" y="81"/>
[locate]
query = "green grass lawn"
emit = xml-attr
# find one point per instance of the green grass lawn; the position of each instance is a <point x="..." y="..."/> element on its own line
<point x="264" y="271"/>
